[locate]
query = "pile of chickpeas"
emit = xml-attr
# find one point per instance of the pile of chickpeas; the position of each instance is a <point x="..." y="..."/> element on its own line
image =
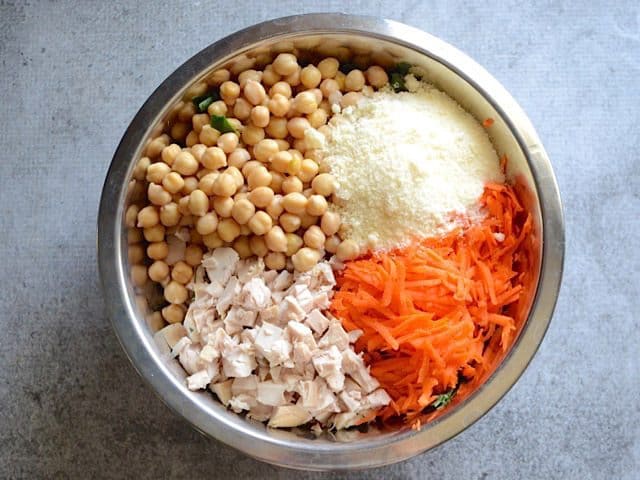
<point x="260" y="190"/>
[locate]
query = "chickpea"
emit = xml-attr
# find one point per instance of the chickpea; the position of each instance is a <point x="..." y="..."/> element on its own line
<point x="280" y="161"/>
<point x="258" y="177"/>
<point x="228" y="142"/>
<point x="225" y="185"/>
<point x="294" y="78"/>
<point x="170" y="152"/>
<point x="155" y="147"/>
<point x="254" y="92"/>
<point x="249" y="166"/>
<point x="354" y="81"/>
<point x="305" y="259"/>
<point x="328" y="67"/>
<point x="294" y="202"/>
<point x="275" y="261"/>
<point x="258" y="246"/>
<point x="314" y="237"/>
<point x="179" y="131"/>
<point x="260" y="116"/>
<point x="223" y="206"/>
<point x="198" y="121"/>
<point x="252" y="134"/>
<point x="218" y="108"/>
<point x="157" y="171"/>
<point x="331" y="243"/>
<point x="260" y="223"/>
<point x="193" y="255"/>
<point x="158" y="250"/>
<point x="340" y="77"/>
<point x="294" y="243"/>
<point x="229" y="91"/>
<point x="148" y="217"/>
<point x="308" y="220"/>
<point x="207" y="224"/>
<point x="317" y="205"/>
<point x="347" y="250"/>
<point x="209" y="136"/>
<point x="318" y="95"/>
<point x="282" y="88"/>
<point x="242" y="211"/>
<point x="190" y="184"/>
<point x="277" y="127"/>
<point x="181" y="272"/>
<point x="212" y="240"/>
<point x="158" y="195"/>
<point x="300" y="144"/>
<point x="207" y="182"/>
<point x="318" y="118"/>
<point x="329" y="87"/>
<point x="218" y="77"/>
<point x="275" y="208"/>
<point x="292" y="185"/>
<point x="261" y="196"/>
<point x="154" y="234"/>
<point x="214" y="158"/>
<point x="175" y="292"/>
<point x="134" y="235"/>
<point x="183" y="206"/>
<point x="238" y="157"/>
<point x="158" y="271"/>
<point x="242" y="109"/>
<point x="310" y="76"/>
<point x="139" y="275"/>
<point x="317" y="156"/>
<point x="269" y="76"/>
<point x="308" y="170"/>
<point x="135" y="254"/>
<point x="185" y="163"/>
<point x="131" y="215"/>
<point x="264" y="149"/>
<point x="324" y="184"/>
<point x="297" y="125"/>
<point x="275" y="239"/>
<point x="173" y="182"/>
<point x="290" y="222"/>
<point x="237" y="176"/>
<point x="186" y="112"/>
<point x="245" y="231"/>
<point x="330" y="223"/>
<point x="285" y="64"/>
<point x="198" y="203"/>
<point x="279" y="105"/>
<point x="173" y="313"/>
<point x="305" y="102"/>
<point x="228" y="229"/>
<point x="376" y="76"/>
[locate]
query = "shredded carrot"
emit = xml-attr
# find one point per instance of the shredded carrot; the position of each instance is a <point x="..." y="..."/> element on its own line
<point x="487" y="122"/>
<point x="439" y="308"/>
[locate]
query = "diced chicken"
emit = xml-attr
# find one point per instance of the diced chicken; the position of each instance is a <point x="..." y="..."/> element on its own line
<point x="321" y="300"/>
<point x="335" y="336"/>
<point x="281" y="282"/>
<point x="237" y="318"/>
<point x="271" y="393"/>
<point x="255" y="295"/>
<point x="231" y="290"/>
<point x="248" y="269"/>
<point x="238" y="361"/>
<point x="349" y="419"/>
<point x="260" y="412"/>
<point x="350" y="402"/>
<point x="299" y="332"/>
<point x="248" y="335"/>
<point x="378" y="398"/>
<point x="171" y="334"/>
<point x="179" y="346"/>
<point x="354" y="335"/>
<point x="315" y="395"/>
<point x="303" y="296"/>
<point x="220" y="264"/>
<point x="177" y="248"/>
<point x="223" y="391"/>
<point x="241" y="402"/>
<point x="354" y="366"/>
<point x="198" y="380"/>
<point x="328" y="364"/>
<point x="209" y="353"/>
<point x="272" y="344"/>
<point x="190" y="359"/>
<point x="317" y="321"/>
<point x="269" y="315"/>
<point x="275" y="373"/>
<point x="248" y="385"/>
<point x="289" y="416"/>
<point x="301" y="356"/>
<point x="290" y="309"/>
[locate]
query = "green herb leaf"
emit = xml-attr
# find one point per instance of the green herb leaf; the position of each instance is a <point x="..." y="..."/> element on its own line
<point x="402" y="68"/>
<point x="202" y="102"/>
<point x="397" y="82"/>
<point x="220" y="123"/>
<point x="444" y="399"/>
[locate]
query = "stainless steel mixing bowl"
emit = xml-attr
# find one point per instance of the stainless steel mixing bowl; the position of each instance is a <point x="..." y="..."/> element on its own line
<point x="359" y="39"/>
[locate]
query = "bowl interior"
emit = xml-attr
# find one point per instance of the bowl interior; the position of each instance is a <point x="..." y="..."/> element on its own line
<point x="439" y="64"/>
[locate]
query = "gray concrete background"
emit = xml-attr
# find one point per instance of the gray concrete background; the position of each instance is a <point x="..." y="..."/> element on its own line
<point x="74" y="73"/>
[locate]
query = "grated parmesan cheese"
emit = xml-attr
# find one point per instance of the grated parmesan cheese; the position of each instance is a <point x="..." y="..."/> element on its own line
<point x="408" y="164"/>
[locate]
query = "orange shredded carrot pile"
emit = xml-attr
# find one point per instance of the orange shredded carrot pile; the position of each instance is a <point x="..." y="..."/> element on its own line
<point x="438" y="308"/>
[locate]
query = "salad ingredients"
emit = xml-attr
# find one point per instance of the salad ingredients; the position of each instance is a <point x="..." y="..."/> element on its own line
<point x="260" y="340"/>
<point x="408" y="164"/>
<point x="438" y="308"/>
